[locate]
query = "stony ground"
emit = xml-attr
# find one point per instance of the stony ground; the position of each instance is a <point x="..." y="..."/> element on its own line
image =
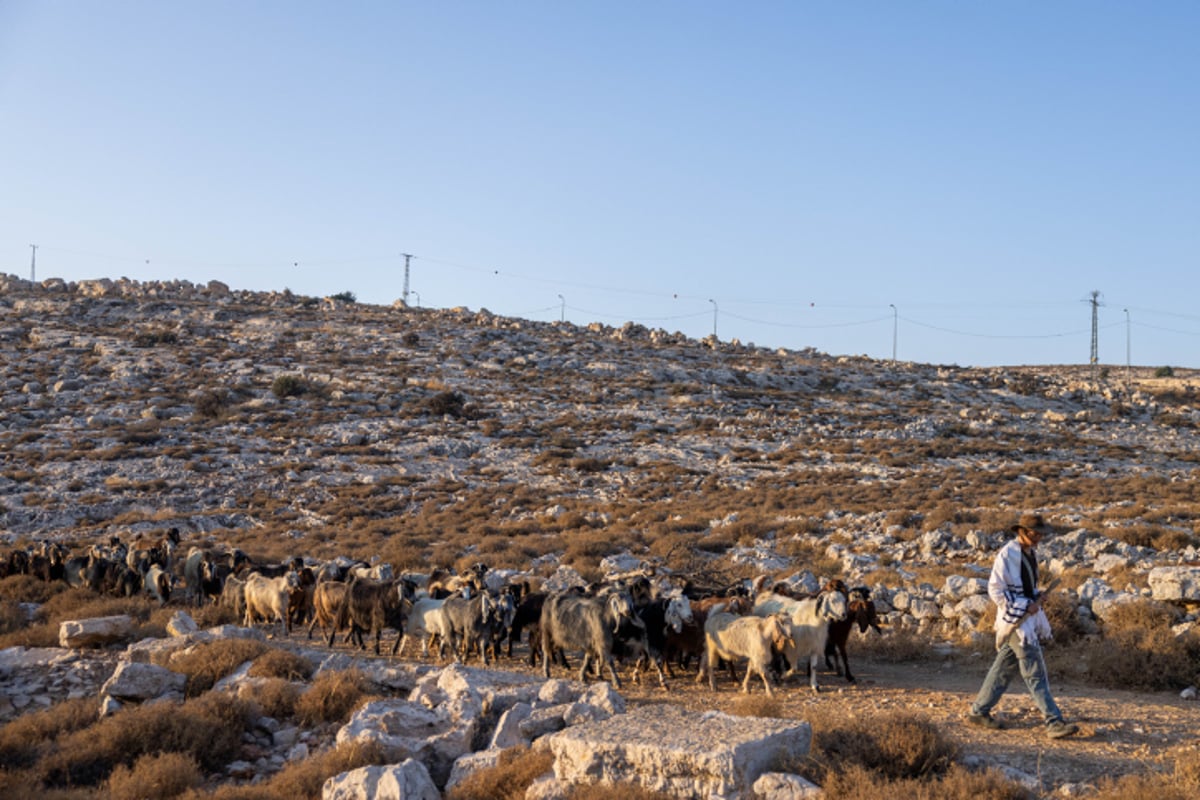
<point x="1121" y="732"/>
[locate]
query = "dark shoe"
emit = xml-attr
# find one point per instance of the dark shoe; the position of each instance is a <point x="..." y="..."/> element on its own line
<point x="985" y="721"/>
<point x="1058" y="729"/>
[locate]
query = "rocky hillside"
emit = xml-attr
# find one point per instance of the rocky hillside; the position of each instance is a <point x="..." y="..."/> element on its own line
<point x="323" y="428"/>
<point x="271" y="419"/>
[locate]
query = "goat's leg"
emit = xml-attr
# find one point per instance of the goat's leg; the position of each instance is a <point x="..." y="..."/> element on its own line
<point x="812" y="673"/>
<point x="612" y="672"/>
<point x="846" y="664"/>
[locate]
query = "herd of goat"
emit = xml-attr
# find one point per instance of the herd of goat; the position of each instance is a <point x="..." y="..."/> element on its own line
<point x="652" y="623"/>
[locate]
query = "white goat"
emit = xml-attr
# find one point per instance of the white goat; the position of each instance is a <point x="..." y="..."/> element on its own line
<point x="731" y="637"/>
<point x="809" y="618"/>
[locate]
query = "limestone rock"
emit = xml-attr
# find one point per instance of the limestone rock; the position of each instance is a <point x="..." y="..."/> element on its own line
<point x="94" y="632"/>
<point x="785" y="786"/>
<point x="135" y="681"/>
<point x="1175" y="583"/>
<point x="408" y="780"/>
<point x="666" y="748"/>
<point x="181" y="624"/>
<point x="408" y="730"/>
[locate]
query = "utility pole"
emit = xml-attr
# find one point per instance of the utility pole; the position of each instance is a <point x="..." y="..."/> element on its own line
<point x="404" y="295"/>
<point x="714" y="302"/>
<point x="1128" y="361"/>
<point x="33" y="265"/>
<point x="1095" y="357"/>
<point x="562" y="312"/>
<point x="895" y="328"/>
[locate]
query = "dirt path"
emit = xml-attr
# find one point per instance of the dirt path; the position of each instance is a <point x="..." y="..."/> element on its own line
<point x="1120" y="732"/>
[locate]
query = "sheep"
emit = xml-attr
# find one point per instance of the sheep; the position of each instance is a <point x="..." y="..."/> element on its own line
<point x="809" y="618"/>
<point x="754" y="638"/>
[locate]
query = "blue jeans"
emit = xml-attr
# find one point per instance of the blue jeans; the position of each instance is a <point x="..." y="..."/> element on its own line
<point x="1027" y="659"/>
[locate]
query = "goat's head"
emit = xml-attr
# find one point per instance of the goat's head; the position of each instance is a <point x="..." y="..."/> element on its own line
<point x="832" y="606"/>
<point x="678" y="613"/>
<point x="779" y="628"/>
<point x="620" y="606"/>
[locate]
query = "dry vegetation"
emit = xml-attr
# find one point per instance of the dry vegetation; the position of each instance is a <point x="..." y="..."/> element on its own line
<point x="430" y="439"/>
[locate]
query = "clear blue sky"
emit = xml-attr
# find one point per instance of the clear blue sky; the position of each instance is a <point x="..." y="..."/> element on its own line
<point x="798" y="168"/>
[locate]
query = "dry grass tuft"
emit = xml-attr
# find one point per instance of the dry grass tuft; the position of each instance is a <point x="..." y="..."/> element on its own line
<point x="207" y="663"/>
<point x="277" y="697"/>
<point x="890" y="747"/>
<point x="1182" y="783"/>
<point x="160" y="775"/>
<point x="23" y="739"/>
<point x="278" y="663"/>
<point x="859" y="783"/>
<point x="508" y="780"/>
<point x="304" y="779"/>
<point x="1140" y="651"/>
<point x="208" y="729"/>
<point x="333" y="696"/>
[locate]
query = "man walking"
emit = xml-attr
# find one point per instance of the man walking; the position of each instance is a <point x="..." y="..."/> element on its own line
<point x="1021" y="626"/>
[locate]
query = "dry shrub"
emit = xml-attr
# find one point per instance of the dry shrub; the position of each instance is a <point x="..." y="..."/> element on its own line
<point x="517" y="768"/>
<point x="1140" y="651"/>
<point x="154" y="775"/>
<point x="1183" y="783"/>
<point x="1061" y="611"/>
<point x="957" y="783"/>
<point x="894" y="746"/>
<point x="207" y="663"/>
<point x="304" y="778"/>
<point x="279" y="663"/>
<point x="209" y="729"/>
<point x="333" y="696"/>
<point x="277" y="697"/>
<point x="12" y="617"/>
<point x="28" y="589"/>
<point x="22" y="739"/>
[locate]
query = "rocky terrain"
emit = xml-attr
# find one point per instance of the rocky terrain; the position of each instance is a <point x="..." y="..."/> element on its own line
<point x="287" y="426"/>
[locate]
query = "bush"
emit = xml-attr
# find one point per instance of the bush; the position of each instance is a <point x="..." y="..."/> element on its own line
<point x="1164" y="372"/>
<point x="288" y="386"/>
<point x="1140" y="651"/>
<point x="345" y="297"/>
<point x="24" y="738"/>
<point x="277" y="698"/>
<point x="208" y="729"/>
<point x="207" y="663"/>
<point x="277" y="663"/>
<point x="211" y="404"/>
<point x="333" y="697"/>
<point x="162" y="775"/>
<point x="517" y="768"/>
<point x="892" y="747"/>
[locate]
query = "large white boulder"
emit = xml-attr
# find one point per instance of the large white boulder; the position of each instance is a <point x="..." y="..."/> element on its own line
<point x="408" y="780"/>
<point x="409" y="730"/>
<point x="669" y="749"/>
<point x="1175" y="583"/>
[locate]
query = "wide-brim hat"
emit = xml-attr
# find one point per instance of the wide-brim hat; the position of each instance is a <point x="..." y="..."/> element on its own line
<point x="1032" y="522"/>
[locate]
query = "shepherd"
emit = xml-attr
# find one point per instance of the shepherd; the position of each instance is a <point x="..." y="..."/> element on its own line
<point x="1021" y="627"/>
